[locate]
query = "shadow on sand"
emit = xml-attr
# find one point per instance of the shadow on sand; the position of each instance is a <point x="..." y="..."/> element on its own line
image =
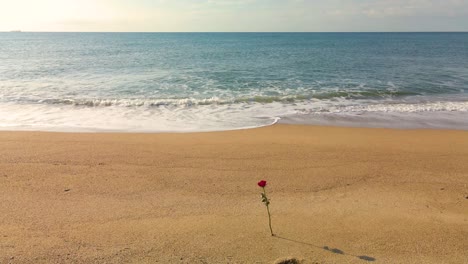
<point x="332" y="250"/>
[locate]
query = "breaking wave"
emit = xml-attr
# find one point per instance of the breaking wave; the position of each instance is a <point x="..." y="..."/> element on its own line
<point x="177" y="102"/>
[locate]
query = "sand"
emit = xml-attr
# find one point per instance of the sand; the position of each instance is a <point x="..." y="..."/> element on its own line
<point x="338" y="195"/>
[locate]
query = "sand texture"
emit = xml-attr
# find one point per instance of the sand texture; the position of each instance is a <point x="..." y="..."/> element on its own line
<point x="338" y="195"/>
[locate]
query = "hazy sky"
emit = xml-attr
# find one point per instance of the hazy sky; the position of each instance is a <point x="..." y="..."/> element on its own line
<point x="234" y="15"/>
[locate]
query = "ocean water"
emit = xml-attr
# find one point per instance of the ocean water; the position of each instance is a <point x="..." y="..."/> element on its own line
<point x="161" y="82"/>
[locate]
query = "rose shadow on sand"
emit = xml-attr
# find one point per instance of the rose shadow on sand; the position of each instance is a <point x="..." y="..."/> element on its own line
<point x="332" y="250"/>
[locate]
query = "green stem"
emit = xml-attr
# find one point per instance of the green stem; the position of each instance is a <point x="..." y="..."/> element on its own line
<point x="268" y="210"/>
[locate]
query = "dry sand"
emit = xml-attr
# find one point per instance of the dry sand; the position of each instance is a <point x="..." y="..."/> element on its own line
<point x="338" y="195"/>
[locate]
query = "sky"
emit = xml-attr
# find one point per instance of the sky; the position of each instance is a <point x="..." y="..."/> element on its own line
<point x="234" y="15"/>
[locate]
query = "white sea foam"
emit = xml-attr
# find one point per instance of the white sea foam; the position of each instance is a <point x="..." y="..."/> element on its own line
<point x="137" y="119"/>
<point x="439" y="115"/>
<point x="356" y="107"/>
<point x="185" y="116"/>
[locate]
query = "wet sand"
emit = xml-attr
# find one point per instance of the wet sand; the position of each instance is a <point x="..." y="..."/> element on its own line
<point x="338" y="195"/>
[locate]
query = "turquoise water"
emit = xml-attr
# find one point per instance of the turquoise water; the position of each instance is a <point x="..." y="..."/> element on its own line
<point x="218" y="81"/>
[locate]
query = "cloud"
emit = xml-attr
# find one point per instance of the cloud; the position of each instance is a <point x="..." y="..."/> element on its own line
<point x="406" y="8"/>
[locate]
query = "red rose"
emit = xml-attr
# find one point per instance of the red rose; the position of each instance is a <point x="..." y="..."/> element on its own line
<point x="262" y="183"/>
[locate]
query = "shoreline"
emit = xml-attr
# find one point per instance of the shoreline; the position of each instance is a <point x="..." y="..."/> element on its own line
<point x="277" y="122"/>
<point x="338" y="195"/>
<point x="409" y="113"/>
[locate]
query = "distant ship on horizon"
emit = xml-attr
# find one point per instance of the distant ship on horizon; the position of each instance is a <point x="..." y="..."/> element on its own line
<point x="16" y="31"/>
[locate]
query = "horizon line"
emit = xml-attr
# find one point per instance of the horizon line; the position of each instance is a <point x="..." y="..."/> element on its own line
<point x="369" y="31"/>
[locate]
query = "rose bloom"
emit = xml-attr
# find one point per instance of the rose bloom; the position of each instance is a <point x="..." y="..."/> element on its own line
<point x="262" y="183"/>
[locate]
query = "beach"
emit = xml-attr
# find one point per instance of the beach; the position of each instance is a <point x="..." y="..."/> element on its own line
<point x="338" y="195"/>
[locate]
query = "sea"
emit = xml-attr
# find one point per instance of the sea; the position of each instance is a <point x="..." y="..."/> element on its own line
<point x="190" y="82"/>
